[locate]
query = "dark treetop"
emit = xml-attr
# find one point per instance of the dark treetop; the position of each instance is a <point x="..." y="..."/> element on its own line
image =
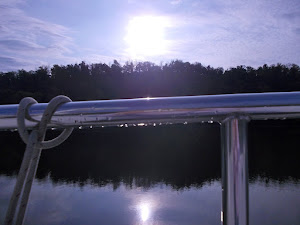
<point x="143" y="79"/>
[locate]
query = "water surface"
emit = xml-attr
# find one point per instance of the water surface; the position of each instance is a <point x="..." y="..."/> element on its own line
<point x="167" y="175"/>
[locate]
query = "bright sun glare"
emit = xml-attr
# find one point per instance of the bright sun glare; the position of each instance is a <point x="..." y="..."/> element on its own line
<point x="146" y="36"/>
<point x="144" y="212"/>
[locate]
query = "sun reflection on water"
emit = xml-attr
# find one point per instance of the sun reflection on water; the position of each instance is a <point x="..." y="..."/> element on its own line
<point x="145" y="206"/>
<point x="144" y="212"/>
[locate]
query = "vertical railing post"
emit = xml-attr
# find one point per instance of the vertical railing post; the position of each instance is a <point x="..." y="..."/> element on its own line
<point x="234" y="171"/>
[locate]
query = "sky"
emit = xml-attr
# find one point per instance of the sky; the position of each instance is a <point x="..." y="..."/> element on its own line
<point x="218" y="33"/>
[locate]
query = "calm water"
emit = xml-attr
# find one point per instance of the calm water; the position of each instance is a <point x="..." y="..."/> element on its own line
<point x="166" y="175"/>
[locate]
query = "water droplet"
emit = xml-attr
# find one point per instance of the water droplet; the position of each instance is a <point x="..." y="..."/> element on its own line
<point x="210" y="121"/>
<point x="121" y="125"/>
<point x="154" y="124"/>
<point x="185" y="123"/>
<point x="102" y="126"/>
<point x="284" y="118"/>
<point x="80" y="127"/>
<point x="141" y="124"/>
<point x="126" y="125"/>
<point x="91" y="127"/>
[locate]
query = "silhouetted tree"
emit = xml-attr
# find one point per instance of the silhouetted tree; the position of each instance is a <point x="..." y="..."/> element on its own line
<point x="140" y="79"/>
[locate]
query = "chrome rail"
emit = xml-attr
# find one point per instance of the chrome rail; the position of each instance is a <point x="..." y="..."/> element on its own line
<point x="258" y="106"/>
<point x="232" y="111"/>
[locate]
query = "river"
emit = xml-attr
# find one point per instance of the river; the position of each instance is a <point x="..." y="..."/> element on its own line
<point x="154" y="175"/>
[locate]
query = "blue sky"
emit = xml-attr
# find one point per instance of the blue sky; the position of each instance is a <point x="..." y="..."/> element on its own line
<point x="213" y="32"/>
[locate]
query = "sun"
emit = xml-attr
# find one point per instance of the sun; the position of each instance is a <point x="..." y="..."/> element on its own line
<point x="146" y="36"/>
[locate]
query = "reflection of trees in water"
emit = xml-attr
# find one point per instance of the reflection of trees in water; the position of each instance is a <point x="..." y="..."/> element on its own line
<point x="274" y="151"/>
<point x="181" y="156"/>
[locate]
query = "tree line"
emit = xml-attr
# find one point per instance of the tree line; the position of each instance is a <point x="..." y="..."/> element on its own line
<point x="143" y="79"/>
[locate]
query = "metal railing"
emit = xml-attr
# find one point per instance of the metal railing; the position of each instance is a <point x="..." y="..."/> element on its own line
<point x="232" y="111"/>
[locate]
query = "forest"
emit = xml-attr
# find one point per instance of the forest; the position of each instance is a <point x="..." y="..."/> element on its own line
<point x="143" y="79"/>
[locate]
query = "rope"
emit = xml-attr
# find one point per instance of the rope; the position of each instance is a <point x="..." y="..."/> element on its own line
<point x="34" y="145"/>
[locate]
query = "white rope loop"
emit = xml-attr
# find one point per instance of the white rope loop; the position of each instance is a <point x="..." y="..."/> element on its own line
<point x="42" y="126"/>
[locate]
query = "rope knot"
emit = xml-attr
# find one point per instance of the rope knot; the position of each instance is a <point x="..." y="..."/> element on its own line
<point x="23" y="114"/>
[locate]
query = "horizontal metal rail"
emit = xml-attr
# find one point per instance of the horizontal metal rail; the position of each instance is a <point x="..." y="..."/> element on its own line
<point x="257" y="106"/>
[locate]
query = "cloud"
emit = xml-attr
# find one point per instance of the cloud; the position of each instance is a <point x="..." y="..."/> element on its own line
<point x="6" y="60"/>
<point x="12" y="45"/>
<point x="15" y="63"/>
<point x="237" y="32"/>
<point x="25" y="37"/>
<point x="176" y="2"/>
